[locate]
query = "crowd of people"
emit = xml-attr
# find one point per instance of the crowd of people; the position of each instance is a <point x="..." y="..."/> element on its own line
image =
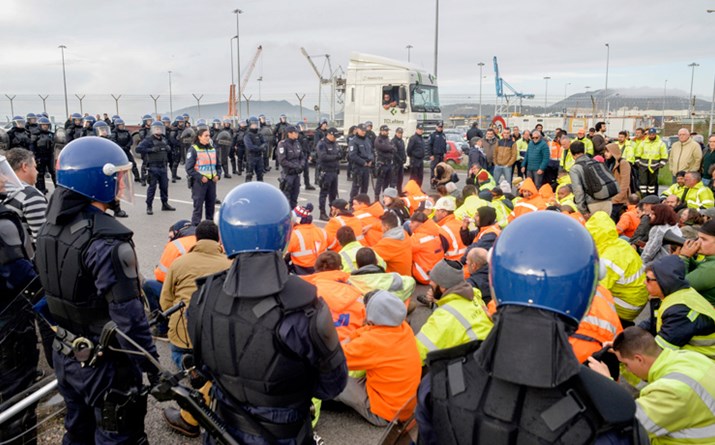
<point x="554" y="253"/>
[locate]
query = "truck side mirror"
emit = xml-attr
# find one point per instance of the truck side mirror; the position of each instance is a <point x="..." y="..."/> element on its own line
<point x="403" y="97"/>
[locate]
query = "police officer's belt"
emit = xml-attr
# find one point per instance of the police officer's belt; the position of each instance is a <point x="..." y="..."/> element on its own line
<point x="70" y="345"/>
<point x="278" y="430"/>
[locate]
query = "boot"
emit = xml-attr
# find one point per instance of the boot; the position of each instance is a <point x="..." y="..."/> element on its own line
<point x="324" y="216"/>
<point x="227" y="175"/>
<point x="309" y="187"/>
<point x="178" y="424"/>
<point x="166" y="207"/>
<point x="249" y="178"/>
<point x="233" y="167"/>
<point x="120" y="214"/>
<point x="149" y="210"/>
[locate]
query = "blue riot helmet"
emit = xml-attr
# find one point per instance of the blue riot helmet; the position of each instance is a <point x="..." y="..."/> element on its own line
<point x="187" y="118"/>
<point x="96" y="168"/>
<point x="201" y="124"/>
<point x="115" y="117"/>
<point x="147" y="120"/>
<point x="262" y="118"/>
<point x="43" y="114"/>
<point x="216" y="123"/>
<point x="253" y="122"/>
<point x="301" y="126"/>
<point x="102" y="129"/>
<point x="545" y="260"/>
<point x="76" y="118"/>
<point x="119" y="122"/>
<point x="88" y="121"/>
<point x="158" y="128"/>
<point x="18" y="122"/>
<point x="166" y="120"/>
<point x="323" y="121"/>
<point x="226" y="123"/>
<point x="254" y="217"/>
<point x="31" y="118"/>
<point x="44" y="123"/>
<point x="283" y="119"/>
<point x="243" y="124"/>
<point x="179" y="121"/>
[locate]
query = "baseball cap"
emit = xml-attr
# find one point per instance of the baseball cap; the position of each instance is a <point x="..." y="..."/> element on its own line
<point x="339" y="204"/>
<point x="361" y="127"/>
<point x="445" y="203"/>
<point x="291" y="129"/>
<point x="384" y="128"/>
<point x="332" y="131"/>
<point x="420" y="127"/>
<point x="440" y="124"/>
<point x="652" y="131"/>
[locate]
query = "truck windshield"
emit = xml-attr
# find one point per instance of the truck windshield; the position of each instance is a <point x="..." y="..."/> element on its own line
<point x="424" y="98"/>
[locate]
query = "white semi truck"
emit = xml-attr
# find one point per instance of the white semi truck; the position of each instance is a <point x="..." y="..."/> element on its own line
<point x="390" y="92"/>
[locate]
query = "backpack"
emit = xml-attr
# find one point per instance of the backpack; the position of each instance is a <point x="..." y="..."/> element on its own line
<point x="599" y="183"/>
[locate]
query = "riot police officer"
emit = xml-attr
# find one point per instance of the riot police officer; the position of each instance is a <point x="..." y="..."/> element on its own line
<point x="141" y="134"/>
<point x="369" y="133"/>
<point x="123" y="138"/>
<point x="155" y="150"/>
<point x="215" y="128"/>
<point x="88" y="268"/>
<point x="308" y="153"/>
<point x="186" y="135"/>
<point x="43" y="146"/>
<point x="255" y="147"/>
<point x="329" y="165"/>
<point x="385" y="152"/>
<point x="237" y="155"/>
<point x="102" y="130"/>
<point x="400" y="159"/>
<point x="290" y="158"/>
<point x="279" y="133"/>
<point x="223" y="143"/>
<point x="437" y="147"/>
<point x="283" y="348"/>
<point x="18" y="341"/>
<point x="19" y="135"/>
<point x="266" y="131"/>
<point x="88" y="126"/>
<point x="73" y="127"/>
<point x="32" y="125"/>
<point x="317" y="137"/>
<point x="361" y="155"/>
<point x="523" y="384"/>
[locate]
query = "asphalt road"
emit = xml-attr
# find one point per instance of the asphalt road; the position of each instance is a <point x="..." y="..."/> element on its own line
<point x="337" y="425"/>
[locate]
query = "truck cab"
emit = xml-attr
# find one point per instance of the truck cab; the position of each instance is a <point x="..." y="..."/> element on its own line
<point x="390" y="92"/>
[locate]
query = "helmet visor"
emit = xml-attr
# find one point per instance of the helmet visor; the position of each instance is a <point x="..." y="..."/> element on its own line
<point x="20" y="123"/>
<point x="157" y="130"/>
<point x="8" y="178"/>
<point x="103" y="131"/>
<point x="125" y="184"/>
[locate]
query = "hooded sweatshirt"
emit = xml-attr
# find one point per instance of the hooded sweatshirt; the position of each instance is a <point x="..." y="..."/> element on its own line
<point x="524" y="206"/>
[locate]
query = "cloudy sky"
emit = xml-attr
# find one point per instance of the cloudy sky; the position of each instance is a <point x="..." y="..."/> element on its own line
<point x="127" y="47"/>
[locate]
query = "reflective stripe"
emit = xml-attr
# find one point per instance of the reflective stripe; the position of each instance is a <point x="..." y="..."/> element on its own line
<point x="704" y="342"/>
<point x="455" y="245"/>
<point x="648" y="424"/>
<point x="705" y="432"/>
<point x="528" y="206"/>
<point x="163" y="268"/>
<point x="625" y="305"/>
<point x="623" y="280"/>
<point x="427" y="239"/>
<point x="613" y="266"/>
<point x="303" y="250"/>
<point x="665" y="344"/>
<point x="463" y="321"/>
<point x="633" y="278"/>
<point x="707" y="399"/>
<point x="421" y="272"/>
<point x="340" y="220"/>
<point x="347" y="260"/>
<point x="179" y="246"/>
<point x="363" y="216"/>
<point x="603" y="324"/>
<point x="605" y="300"/>
<point x="421" y="337"/>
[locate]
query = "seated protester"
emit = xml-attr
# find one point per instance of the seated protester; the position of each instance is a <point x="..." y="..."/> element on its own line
<point x="698" y="196"/>
<point x="393" y="204"/>
<point x="181" y="239"/>
<point x="444" y="191"/>
<point x="369" y="216"/>
<point x="449" y="228"/>
<point x="341" y="216"/>
<point x="385" y="349"/>
<point x="443" y="174"/>
<point x="701" y="273"/>
<point x="707" y="214"/>
<point x="370" y="276"/>
<point x="470" y="203"/>
<point x="395" y="246"/>
<point x="547" y="194"/>
<point x="426" y="246"/>
<point x="343" y="299"/>
<point x="674" y="202"/>
<point x="689" y="221"/>
<point x="414" y="196"/>
<point x="570" y="210"/>
<point x="640" y="236"/>
<point x="685" y="319"/>
<point x="599" y="326"/>
<point x="662" y="219"/>
<point x="677" y="188"/>
<point x="531" y="201"/>
<point x="565" y="195"/>
<point x="676" y="405"/>
<point x="562" y="180"/>
<point x="501" y="205"/>
<point x="486" y="233"/>
<point x="478" y="268"/>
<point x="629" y="220"/>
<point x="457" y="319"/>
<point x="349" y="246"/>
<point x="307" y="241"/>
<point x="481" y="179"/>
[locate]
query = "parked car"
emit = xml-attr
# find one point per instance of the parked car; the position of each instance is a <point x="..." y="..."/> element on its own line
<point x="458" y="139"/>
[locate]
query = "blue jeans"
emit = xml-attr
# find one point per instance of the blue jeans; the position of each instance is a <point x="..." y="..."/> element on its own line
<point x="503" y="170"/>
<point x="177" y="354"/>
<point x="152" y="290"/>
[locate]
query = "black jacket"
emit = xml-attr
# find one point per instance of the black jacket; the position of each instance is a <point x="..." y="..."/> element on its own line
<point x="416" y="149"/>
<point x="385" y="149"/>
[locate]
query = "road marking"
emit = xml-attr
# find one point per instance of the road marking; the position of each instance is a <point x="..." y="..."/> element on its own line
<point x="170" y="199"/>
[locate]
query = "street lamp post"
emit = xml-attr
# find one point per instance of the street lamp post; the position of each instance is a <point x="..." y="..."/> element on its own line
<point x="481" y="67"/>
<point x="546" y="91"/>
<point x="409" y="48"/>
<point x="238" y="61"/>
<point x="608" y="59"/>
<point x="64" y="78"/>
<point x="230" y="46"/>
<point x="171" y="99"/>
<point x="436" y="35"/>
<point x="691" y="105"/>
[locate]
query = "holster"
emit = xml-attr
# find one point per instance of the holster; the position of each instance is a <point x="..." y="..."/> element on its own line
<point x="122" y="411"/>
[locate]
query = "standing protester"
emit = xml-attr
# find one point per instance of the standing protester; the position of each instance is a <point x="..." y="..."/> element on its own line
<point x="536" y="159"/>
<point x="651" y="156"/>
<point x="155" y="152"/>
<point x="102" y="394"/>
<point x="685" y="154"/>
<point x="489" y="146"/>
<point x="398" y="172"/>
<point x="587" y="142"/>
<point x="474" y="131"/>
<point x="416" y="151"/>
<point x="255" y="147"/>
<point x="42" y="144"/>
<point x="123" y="138"/>
<point x="290" y="158"/>
<point x="505" y="154"/>
<point x="328" y="154"/>
<point x="285" y="347"/>
<point x="204" y="169"/>
<point x="385" y="152"/>
<point x="21" y="197"/>
<point x="599" y="139"/>
<point x="437" y="147"/>
<point x="360" y="153"/>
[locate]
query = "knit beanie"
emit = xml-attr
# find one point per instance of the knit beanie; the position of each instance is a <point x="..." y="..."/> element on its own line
<point x="385" y="309"/>
<point x="447" y="274"/>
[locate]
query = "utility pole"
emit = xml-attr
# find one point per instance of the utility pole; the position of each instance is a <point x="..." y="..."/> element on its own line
<point x="248" y="103"/>
<point x="80" y="98"/>
<point x="12" y="106"/>
<point x="238" y="61"/>
<point x="44" y="102"/>
<point x="481" y="67"/>
<point x="171" y="100"/>
<point x="691" y="107"/>
<point x="409" y="47"/>
<point x="608" y="59"/>
<point x="546" y="91"/>
<point x="116" y="102"/>
<point x="156" y="112"/>
<point x="300" y="102"/>
<point x="198" y="103"/>
<point x="436" y="35"/>
<point x="64" y="79"/>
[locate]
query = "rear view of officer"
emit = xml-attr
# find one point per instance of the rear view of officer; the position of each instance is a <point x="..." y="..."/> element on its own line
<point x="523" y="384"/>
<point x="43" y="146"/>
<point x="290" y="158"/>
<point x="255" y="147"/>
<point x="19" y="135"/>
<point x="88" y="268"/>
<point x="155" y="152"/>
<point x="262" y="335"/>
<point x="329" y="155"/>
<point x="122" y="137"/>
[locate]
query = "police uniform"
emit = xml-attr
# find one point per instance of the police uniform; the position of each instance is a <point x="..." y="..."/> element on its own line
<point x="141" y="134"/>
<point x="43" y="146"/>
<point x="238" y="158"/>
<point x="264" y="338"/>
<point x="416" y="151"/>
<point x="255" y="147"/>
<point x="202" y="162"/>
<point x="329" y="164"/>
<point x="88" y="268"/>
<point x="385" y="151"/>
<point x="18" y="341"/>
<point x="360" y="154"/>
<point x="174" y="137"/>
<point x="437" y="149"/>
<point x="317" y="137"/>
<point x="19" y="137"/>
<point x="400" y="159"/>
<point x="123" y="138"/>
<point x="155" y="151"/>
<point x="290" y="158"/>
<point x="223" y="144"/>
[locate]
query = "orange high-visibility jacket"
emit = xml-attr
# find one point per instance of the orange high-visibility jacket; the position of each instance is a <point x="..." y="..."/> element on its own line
<point x="449" y="228"/>
<point x="396" y="253"/>
<point x="343" y="299"/>
<point x="335" y="223"/>
<point x="173" y="250"/>
<point x="369" y="217"/>
<point x="524" y="206"/>
<point x="426" y="250"/>
<point x="307" y="241"/>
<point x="601" y="324"/>
<point x="414" y="196"/>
